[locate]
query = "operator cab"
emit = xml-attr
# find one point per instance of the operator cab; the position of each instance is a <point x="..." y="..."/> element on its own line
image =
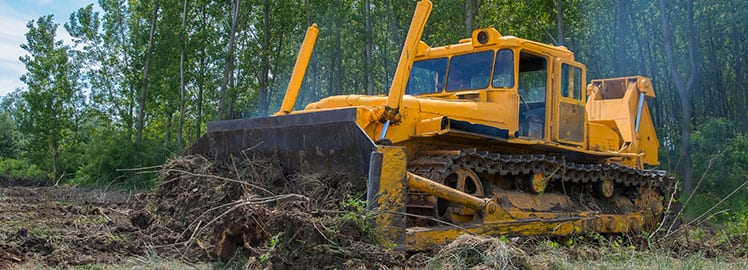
<point x="488" y="70"/>
<point x="512" y="73"/>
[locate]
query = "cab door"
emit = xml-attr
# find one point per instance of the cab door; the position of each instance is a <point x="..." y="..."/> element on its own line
<point x="568" y="113"/>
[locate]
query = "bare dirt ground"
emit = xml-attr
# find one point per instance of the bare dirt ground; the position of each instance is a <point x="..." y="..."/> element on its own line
<point x="249" y="215"/>
<point x="64" y="226"/>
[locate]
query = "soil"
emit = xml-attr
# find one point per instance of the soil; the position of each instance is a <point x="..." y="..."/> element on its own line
<point x="64" y="226"/>
<point x="202" y="211"/>
<point x="208" y="211"/>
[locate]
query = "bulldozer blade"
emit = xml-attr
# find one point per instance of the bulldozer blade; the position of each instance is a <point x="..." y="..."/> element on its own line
<point x="328" y="142"/>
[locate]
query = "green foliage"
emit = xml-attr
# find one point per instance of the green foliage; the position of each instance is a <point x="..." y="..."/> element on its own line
<point x="51" y="103"/>
<point x="9" y="136"/>
<point x="114" y="161"/>
<point x="720" y="159"/>
<point x="19" y="169"/>
<point x="364" y="220"/>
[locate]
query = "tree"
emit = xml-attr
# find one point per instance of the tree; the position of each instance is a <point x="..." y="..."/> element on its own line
<point x="684" y="89"/>
<point x="471" y="9"/>
<point x="265" y="51"/>
<point x="183" y="35"/>
<point x="48" y="104"/>
<point x="229" y="64"/>
<point x="560" y="35"/>
<point x="368" y="48"/>
<point x="144" y="89"/>
<point x="9" y="136"/>
<point x="622" y="31"/>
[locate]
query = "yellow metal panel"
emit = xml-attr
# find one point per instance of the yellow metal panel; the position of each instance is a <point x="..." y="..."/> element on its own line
<point x="602" y="138"/>
<point x="430" y="125"/>
<point x="390" y="194"/>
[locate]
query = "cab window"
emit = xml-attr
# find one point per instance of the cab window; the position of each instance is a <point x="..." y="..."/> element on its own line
<point x="503" y="70"/>
<point x="532" y="77"/>
<point x="571" y="82"/>
<point x="427" y="77"/>
<point x="470" y="71"/>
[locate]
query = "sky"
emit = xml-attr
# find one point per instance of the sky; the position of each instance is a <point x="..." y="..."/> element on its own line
<point x="14" y="15"/>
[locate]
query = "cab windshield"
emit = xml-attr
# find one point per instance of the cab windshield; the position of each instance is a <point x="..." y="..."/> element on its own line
<point x="469" y="71"/>
<point x="466" y="72"/>
<point x="427" y="77"/>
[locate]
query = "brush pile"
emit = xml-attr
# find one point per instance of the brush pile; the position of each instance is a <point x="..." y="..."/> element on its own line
<point x="204" y="210"/>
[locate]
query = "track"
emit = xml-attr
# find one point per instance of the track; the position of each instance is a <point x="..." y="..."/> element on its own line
<point x="547" y="171"/>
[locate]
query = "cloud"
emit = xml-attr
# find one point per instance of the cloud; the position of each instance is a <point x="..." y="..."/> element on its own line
<point x="11" y="38"/>
<point x="8" y="86"/>
<point x="14" y="15"/>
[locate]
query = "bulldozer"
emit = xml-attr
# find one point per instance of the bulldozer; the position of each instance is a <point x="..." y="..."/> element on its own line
<point x="494" y="135"/>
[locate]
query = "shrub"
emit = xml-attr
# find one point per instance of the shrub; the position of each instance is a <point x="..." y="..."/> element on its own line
<point x="20" y="170"/>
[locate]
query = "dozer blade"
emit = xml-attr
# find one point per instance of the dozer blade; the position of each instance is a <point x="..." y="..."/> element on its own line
<point x="324" y="141"/>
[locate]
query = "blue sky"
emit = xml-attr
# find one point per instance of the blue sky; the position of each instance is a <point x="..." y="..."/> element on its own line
<point x="14" y="15"/>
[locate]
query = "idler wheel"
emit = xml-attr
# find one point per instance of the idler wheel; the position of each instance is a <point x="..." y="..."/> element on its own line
<point x="466" y="181"/>
<point x="604" y="188"/>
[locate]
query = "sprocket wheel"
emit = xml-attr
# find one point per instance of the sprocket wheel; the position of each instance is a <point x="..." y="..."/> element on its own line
<point x="468" y="182"/>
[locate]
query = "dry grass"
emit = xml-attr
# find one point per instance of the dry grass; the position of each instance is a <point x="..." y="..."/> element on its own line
<point x="479" y="252"/>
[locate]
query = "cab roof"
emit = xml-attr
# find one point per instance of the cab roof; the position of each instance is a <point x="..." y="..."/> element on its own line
<point x="492" y="39"/>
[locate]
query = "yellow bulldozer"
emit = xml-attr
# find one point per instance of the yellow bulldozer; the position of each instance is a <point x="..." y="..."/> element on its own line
<point x="493" y="135"/>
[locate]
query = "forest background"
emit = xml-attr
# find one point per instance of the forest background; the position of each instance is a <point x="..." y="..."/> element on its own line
<point x="143" y="78"/>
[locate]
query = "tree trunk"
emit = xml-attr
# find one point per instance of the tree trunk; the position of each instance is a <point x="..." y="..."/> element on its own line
<point x="560" y="38"/>
<point x="229" y="63"/>
<point x="623" y="9"/>
<point x="55" y="162"/>
<point x="310" y="94"/>
<point x="232" y="96"/>
<point x="263" y="95"/>
<point x="143" y="92"/>
<point x="167" y="137"/>
<point x="200" y="89"/>
<point x="181" y="78"/>
<point x="683" y="89"/>
<point x="336" y="80"/>
<point x="201" y="82"/>
<point x="368" y="64"/>
<point x="471" y="9"/>
<point x="394" y="26"/>
<point x="738" y="53"/>
<point x="130" y="105"/>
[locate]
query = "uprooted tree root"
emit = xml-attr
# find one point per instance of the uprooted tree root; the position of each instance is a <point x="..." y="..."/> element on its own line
<point x="206" y="210"/>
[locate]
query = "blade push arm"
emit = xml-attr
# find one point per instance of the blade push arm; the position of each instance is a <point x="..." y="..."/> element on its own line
<point x="400" y="80"/>
<point x="305" y="53"/>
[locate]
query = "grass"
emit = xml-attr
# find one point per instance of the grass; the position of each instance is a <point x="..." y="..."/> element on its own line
<point x="654" y="259"/>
